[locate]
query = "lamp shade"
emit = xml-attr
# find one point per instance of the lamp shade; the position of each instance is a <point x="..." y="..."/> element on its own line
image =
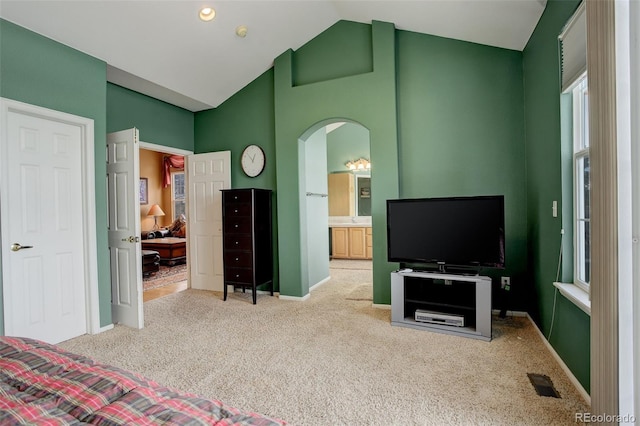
<point x="155" y="210"/>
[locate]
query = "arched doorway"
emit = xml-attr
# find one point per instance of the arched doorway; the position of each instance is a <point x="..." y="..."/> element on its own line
<point x="368" y="98"/>
<point x="324" y="150"/>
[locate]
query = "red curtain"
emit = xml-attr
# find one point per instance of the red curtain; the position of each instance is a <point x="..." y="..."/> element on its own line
<point x="175" y="161"/>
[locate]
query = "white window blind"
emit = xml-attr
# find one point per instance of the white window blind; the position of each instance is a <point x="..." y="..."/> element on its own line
<point x="573" y="48"/>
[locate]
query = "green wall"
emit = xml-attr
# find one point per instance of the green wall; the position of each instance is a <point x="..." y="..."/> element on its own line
<point x="345" y="49"/>
<point x="571" y="327"/>
<point x="348" y="142"/>
<point x="368" y="98"/>
<point x="246" y="118"/>
<point x="445" y="118"/>
<point x="461" y="126"/>
<point x="40" y="71"/>
<point x="452" y="124"/>
<point x="158" y="122"/>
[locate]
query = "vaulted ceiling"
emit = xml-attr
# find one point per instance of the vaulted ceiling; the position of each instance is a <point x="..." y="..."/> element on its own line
<point x="162" y="49"/>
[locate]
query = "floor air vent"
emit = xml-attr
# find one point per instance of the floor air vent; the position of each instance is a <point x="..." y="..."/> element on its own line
<point x="543" y="385"/>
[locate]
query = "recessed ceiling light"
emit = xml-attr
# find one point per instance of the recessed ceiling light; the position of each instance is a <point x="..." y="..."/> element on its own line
<point x="207" y="13"/>
<point x="241" y="31"/>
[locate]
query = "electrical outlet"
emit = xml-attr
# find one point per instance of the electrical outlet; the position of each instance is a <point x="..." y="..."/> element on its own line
<point x="505" y="282"/>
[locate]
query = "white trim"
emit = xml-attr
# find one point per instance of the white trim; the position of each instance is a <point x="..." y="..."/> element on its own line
<point x="173" y="174"/>
<point x="294" y="298"/>
<point x="103" y="329"/>
<point x="177" y="151"/>
<point x="627" y="17"/>
<point x="86" y="126"/>
<point x="585" y="395"/>
<point x="575" y="294"/>
<point x="165" y="149"/>
<point x="580" y="152"/>
<point x="573" y="48"/>
<point x="319" y="283"/>
<point x="381" y="306"/>
<point x="634" y="29"/>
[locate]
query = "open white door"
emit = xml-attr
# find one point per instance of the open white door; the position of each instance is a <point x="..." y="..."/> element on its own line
<point x="123" y="186"/>
<point x="207" y="175"/>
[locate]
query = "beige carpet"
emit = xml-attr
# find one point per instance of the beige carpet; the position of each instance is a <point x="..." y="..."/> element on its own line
<point x="336" y="360"/>
<point x="351" y="264"/>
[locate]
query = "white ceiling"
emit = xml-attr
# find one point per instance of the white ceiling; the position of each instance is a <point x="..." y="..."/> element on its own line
<point x="162" y="49"/>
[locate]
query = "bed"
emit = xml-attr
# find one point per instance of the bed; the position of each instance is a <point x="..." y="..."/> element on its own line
<point x="44" y="384"/>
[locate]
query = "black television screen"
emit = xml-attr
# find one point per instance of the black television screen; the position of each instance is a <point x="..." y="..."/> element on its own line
<point x="460" y="231"/>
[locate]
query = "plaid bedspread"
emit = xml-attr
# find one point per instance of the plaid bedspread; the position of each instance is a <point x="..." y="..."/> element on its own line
<point x="45" y="385"/>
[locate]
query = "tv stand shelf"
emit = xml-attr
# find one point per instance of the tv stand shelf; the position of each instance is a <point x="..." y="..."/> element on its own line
<point x="460" y="296"/>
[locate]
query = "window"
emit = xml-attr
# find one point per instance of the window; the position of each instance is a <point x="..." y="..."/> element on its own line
<point x="581" y="185"/>
<point x="177" y="194"/>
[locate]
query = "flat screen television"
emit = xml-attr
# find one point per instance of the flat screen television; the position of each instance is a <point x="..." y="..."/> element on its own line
<point x="454" y="231"/>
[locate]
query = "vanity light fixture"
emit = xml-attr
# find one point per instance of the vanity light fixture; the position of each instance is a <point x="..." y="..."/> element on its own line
<point x="360" y="164"/>
<point x="207" y="14"/>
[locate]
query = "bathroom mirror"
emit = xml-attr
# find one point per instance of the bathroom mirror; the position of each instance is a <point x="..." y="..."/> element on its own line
<point x="363" y="195"/>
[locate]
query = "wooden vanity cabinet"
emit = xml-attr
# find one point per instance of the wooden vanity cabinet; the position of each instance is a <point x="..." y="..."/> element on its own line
<point x="351" y="243"/>
<point x="340" y="243"/>
<point x="342" y="200"/>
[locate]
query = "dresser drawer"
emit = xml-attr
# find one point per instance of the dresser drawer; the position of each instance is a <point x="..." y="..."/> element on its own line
<point x="238" y="259"/>
<point x="238" y="196"/>
<point x="237" y="225"/>
<point x="238" y="275"/>
<point x="237" y="209"/>
<point x="238" y="242"/>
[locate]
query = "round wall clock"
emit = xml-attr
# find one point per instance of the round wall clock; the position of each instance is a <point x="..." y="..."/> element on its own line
<point x="252" y="160"/>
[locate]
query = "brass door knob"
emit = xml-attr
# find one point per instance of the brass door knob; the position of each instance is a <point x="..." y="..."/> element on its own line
<point x="18" y="247"/>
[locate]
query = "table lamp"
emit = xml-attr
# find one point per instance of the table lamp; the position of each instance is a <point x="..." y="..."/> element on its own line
<point x="155" y="211"/>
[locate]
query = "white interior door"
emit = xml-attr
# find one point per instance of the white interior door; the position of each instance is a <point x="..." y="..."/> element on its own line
<point x="123" y="187"/>
<point x="43" y="266"/>
<point x="207" y="175"/>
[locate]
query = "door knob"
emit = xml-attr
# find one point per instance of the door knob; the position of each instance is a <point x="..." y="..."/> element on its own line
<point x="18" y="247"/>
<point x="132" y="239"/>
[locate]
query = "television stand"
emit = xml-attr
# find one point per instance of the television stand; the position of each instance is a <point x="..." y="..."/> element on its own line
<point x="443" y="268"/>
<point x="445" y="303"/>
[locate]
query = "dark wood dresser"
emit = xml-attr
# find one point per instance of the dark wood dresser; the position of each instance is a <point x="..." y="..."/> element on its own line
<point x="247" y="239"/>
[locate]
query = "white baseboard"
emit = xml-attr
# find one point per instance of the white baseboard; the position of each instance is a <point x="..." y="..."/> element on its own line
<point x="295" y="298"/>
<point x="318" y="284"/>
<point x="381" y="306"/>
<point x="306" y="296"/>
<point x="564" y="367"/>
<point x="102" y="329"/>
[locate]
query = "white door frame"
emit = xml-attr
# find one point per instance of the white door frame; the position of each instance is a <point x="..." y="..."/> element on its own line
<point x="164" y="149"/>
<point x="176" y="151"/>
<point x="90" y="253"/>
